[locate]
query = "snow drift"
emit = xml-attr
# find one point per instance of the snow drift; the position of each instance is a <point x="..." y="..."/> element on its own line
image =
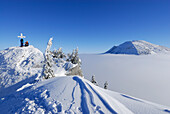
<point x="138" y="47"/>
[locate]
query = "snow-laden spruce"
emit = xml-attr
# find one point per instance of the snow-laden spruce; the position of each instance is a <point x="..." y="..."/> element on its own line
<point x="48" y="72"/>
<point x="138" y="47"/>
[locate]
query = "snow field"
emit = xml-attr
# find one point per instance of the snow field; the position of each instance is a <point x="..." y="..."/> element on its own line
<point x="74" y="95"/>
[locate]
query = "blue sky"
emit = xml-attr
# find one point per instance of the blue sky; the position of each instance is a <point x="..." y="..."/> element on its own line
<point x="92" y="25"/>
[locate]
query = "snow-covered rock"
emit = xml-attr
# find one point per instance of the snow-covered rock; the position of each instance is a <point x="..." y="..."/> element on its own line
<point x="138" y="47"/>
<point x="73" y="95"/>
<point x="18" y="64"/>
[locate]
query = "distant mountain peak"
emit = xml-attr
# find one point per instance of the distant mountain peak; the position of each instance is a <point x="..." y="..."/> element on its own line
<point x="138" y="47"/>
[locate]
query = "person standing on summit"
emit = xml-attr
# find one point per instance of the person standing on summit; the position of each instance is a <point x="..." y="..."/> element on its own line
<point x="22" y="40"/>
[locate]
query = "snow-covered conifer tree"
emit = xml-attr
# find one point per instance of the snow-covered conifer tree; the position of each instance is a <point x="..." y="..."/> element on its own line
<point x="48" y="72"/>
<point x="74" y="59"/>
<point x="72" y="56"/>
<point x="58" y="53"/>
<point x="93" y="80"/>
<point x="68" y="57"/>
<point x="105" y="85"/>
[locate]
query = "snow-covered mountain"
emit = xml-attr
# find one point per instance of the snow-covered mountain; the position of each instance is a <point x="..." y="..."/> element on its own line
<point x="138" y="47"/>
<point x="21" y="92"/>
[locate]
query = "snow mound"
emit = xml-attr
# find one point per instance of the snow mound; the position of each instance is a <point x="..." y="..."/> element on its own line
<point x="18" y="64"/>
<point x="138" y="47"/>
<point x="73" y="94"/>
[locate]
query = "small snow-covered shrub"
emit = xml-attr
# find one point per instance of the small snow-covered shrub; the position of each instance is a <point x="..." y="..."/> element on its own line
<point x="105" y="85"/>
<point x="93" y="80"/>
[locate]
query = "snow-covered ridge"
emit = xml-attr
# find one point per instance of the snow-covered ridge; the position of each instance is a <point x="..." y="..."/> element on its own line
<point x="138" y="47"/>
<point x="18" y="64"/>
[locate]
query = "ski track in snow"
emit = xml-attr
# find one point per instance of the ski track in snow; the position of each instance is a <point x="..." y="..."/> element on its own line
<point x="84" y="106"/>
<point x="103" y="101"/>
<point x="130" y="97"/>
<point x="166" y="110"/>
<point x="126" y="96"/>
<point x="83" y="97"/>
<point x="62" y="91"/>
<point x="73" y="98"/>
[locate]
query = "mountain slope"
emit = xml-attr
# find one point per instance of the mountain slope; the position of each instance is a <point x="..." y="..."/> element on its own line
<point x="73" y="95"/>
<point x="138" y="47"/>
<point x="21" y="92"/>
<point x="18" y="64"/>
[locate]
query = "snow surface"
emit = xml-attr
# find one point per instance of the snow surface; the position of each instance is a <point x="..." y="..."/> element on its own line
<point x="138" y="47"/>
<point x="18" y="64"/>
<point x="144" y="76"/>
<point x="73" y="94"/>
<point x="22" y="92"/>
